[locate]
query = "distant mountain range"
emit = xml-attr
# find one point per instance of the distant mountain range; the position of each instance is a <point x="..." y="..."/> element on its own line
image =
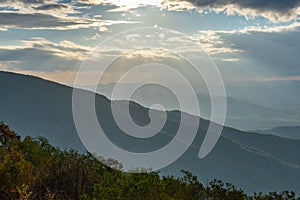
<point x="240" y="113"/>
<point x="283" y="131"/>
<point x="254" y="162"/>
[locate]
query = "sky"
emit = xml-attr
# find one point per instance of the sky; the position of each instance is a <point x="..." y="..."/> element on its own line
<point x="252" y="42"/>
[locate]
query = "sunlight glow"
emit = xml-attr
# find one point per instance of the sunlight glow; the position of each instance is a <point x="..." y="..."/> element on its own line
<point x="130" y="4"/>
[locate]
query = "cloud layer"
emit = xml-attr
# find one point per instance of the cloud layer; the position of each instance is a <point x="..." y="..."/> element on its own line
<point x="51" y="15"/>
<point x="43" y="55"/>
<point x="274" y="10"/>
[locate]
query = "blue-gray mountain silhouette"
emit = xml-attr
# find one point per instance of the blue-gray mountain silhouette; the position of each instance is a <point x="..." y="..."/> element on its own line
<point x="254" y="162"/>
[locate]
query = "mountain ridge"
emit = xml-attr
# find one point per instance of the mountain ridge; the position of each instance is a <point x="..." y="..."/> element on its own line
<point x="292" y="132"/>
<point x="253" y="161"/>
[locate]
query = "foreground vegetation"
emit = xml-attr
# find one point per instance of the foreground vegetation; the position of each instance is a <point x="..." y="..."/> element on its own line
<point x="33" y="169"/>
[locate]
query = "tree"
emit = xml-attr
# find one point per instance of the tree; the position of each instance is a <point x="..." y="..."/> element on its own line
<point x="32" y="169"/>
<point x="6" y="134"/>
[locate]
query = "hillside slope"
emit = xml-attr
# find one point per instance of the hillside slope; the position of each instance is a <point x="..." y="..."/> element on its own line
<point x="252" y="161"/>
<point x="283" y="131"/>
<point x="240" y="114"/>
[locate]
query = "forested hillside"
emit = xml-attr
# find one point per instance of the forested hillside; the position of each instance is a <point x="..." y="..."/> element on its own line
<point x="31" y="168"/>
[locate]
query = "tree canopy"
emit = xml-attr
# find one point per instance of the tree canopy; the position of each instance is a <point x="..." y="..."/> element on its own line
<point x="31" y="168"/>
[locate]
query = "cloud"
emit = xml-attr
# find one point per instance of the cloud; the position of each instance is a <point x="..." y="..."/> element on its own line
<point x="64" y="49"/>
<point x="43" y="55"/>
<point x="273" y="10"/>
<point x="23" y="5"/>
<point x="258" y="29"/>
<point x="90" y="1"/>
<point x="212" y="43"/>
<point x="41" y="14"/>
<point x="27" y="1"/>
<point x="45" y="21"/>
<point x="37" y="21"/>
<point x="176" y="5"/>
<point x="230" y="59"/>
<point x="266" y="51"/>
<point x="124" y="5"/>
<point x="51" y="15"/>
<point x="51" y="7"/>
<point x="151" y="55"/>
<point x="217" y="42"/>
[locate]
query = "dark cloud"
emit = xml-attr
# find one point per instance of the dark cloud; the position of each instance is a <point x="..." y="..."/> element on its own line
<point x="275" y="10"/>
<point x="36" y="20"/>
<point x="51" y="7"/>
<point x="32" y="1"/>
<point x="272" y="5"/>
<point x="26" y="1"/>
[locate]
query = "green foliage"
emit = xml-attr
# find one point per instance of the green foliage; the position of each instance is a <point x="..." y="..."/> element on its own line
<point x="33" y="169"/>
<point x="285" y="195"/>
<point x="218" y="190"/>
<point x="24" y="193"/>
